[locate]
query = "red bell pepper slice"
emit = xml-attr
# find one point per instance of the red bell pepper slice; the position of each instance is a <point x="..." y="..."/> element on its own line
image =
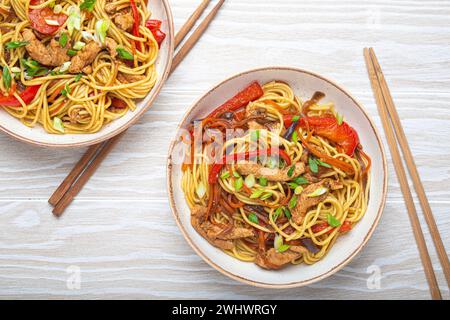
<point x="38" y="16"/>
<point x="154" y="26"/>
<point x="137" y="21"/>
<point x="213" y="174"/>
<point x="250" y="93"/>
<point x="27" y="96"/>
<point x="346" y="226"/>
<point x="343" y="135"/>
<point x="118" y="103"/>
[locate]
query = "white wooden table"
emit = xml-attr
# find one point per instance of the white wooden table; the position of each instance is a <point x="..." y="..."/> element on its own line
<point x="119" y="235"/>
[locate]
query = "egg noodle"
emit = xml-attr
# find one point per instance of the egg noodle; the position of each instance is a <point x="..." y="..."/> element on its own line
<point x="82" y="102"/>
<point x="265" y="206"/>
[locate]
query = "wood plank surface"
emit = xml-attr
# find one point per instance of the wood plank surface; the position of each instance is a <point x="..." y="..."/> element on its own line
<point x="119" y="231"/>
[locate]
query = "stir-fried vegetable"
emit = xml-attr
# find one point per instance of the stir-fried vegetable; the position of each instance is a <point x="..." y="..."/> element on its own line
<point x="27" y="96"/>
<point x="250" y="93"/>
<point x="38" y="19"/>
<point x="213" y="174"/>
<point x="343" y="135"/>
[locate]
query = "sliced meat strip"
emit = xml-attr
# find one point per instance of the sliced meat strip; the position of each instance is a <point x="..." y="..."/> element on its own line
<point x="84" y="57"/>
<point x="52" y="55"/>
<point x="305" y="201"/>
<point x="129" y="78"/>
<point x="124" y="20"/>
<point x="273" y="174"/>
<point x="111" y="45"/>
<point x="272" y="259"/>
<point x="213" y="233"/>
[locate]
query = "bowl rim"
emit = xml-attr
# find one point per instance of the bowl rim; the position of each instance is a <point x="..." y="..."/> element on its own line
<point x="261" y="284"/>
<point x="135" y="117"/>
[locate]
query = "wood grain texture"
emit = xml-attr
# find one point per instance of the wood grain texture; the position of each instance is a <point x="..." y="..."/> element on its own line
<point x="119" y="230"/>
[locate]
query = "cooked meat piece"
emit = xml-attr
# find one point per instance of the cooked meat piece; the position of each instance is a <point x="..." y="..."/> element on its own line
<point x="246" y="167"/>
<point x="110" y="8"/>
<point x="124" y="20"/>
<point x="272" y="259"/>
<point x="129" y="78"/>
<point x="111" y="45"/>
<point x="213" y="233"/>
<point x="304" y="201"/>
<point x="87" y="70"/>
<point x="335" y="184"/>
<point x="51" y="55"/>
<point x="84" y="57"/>
<point x="311" y="178"/>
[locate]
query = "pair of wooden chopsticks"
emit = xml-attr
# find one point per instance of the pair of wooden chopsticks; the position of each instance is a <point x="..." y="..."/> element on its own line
<point x="94" y="156"/>
<point x="394" y="133"/>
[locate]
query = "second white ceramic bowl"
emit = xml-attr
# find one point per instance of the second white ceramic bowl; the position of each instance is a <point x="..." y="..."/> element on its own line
<point x="304" y="84"/>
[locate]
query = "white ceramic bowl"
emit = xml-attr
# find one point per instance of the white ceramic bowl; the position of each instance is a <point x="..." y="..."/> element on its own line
<point x="37" y="135"/>
<point x="304" y="83"/>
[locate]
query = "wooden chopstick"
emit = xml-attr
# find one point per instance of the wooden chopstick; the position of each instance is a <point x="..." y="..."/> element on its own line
<point x="381" y="101"/>
<point x="93" y="157"/>
<point x="412" y="169"/>
<point x="94" y="149"/>
<point x="187" y="26"/>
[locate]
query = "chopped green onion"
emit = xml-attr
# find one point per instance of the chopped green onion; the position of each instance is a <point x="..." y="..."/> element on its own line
<point x="51" y="22"/>
<point x="57" y="8"/>
<point x="238" y="183"/>
<point x="293" y="202"/>
<point x="283" y="248"/>
<point x="277" y="242"/>
<point x="263" y="181"/>
<point x="295" y="118"/>
<point x="339" y="118"/>
<point x="87" y="35"/>
<point x="6" y="77"/>
<point x="200" y="190"/>
<point x="58" y="124"/>
<point x="88" y="5"/>
<point x="298" y="190"/>
<point x="318" y="192"/>
<point x="323" y="164"/>
<point x="300" y="180"/>
<point x="290" y="172"/>
<point x="65" y="91"/>
<point x="236" y="174"/>
<point x="101" y="27"/>
<point x="332" y="221"/>
<point x="266" y="196"/>
<point x="78" y="77"/>
<point x="292" y="185"/>
<point x="287" y="213"/>
<point x="74" y="20"/>
<point x="254" y="135"/>
<point x="72" y="52"/>
<point x="250" y="180"/>
<point x="79" y="45"/>
<point x="313" y="165"/>
<point x="256" y="194"/>
<point x="253" y="218"/>
<point x="295" y="137"/>
<point x="124" y="54"/>
<point x="16" y="44"/>
<point x="63" y="40"/>
<point x="278" y="212"/>
<point x="225" y="175"/>
<point x="65" y="66"/>
<point x="15" y="70"/>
